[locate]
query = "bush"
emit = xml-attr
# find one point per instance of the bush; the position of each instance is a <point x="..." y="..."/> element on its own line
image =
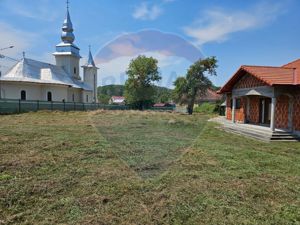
<point x="206" y="108"/>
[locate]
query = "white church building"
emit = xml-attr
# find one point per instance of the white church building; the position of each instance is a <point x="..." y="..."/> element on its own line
<point x="33" y="80"/>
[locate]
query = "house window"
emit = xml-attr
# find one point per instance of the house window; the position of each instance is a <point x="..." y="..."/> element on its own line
<point x="87" y="98"/>
<point x="23" y="95"/>
<point x="238" y="103"/>
<point x="49" y="96"/>
<point x="74" y="70"/>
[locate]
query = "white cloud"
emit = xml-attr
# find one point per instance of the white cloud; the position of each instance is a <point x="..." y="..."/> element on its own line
<point x="113" y="71"/>
<point x="218" y="24"/>
<point x="21" y="41"/>
<point x="146" y="12"/>
<point x="41" y="10"/>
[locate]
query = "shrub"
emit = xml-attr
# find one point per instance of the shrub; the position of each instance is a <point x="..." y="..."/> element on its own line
<point x="206" y="108"/>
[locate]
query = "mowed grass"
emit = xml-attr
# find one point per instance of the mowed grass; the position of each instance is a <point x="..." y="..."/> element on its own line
<point x="109" y="167"/>
<point x="148" y="142"/>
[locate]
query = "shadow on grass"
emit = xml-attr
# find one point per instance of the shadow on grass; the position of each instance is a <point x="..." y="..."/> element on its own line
<point x="148" y="142"/>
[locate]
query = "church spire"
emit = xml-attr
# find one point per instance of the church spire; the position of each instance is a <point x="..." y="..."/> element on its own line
<point x="67" y="35"/>
<point x="90" y="61"/>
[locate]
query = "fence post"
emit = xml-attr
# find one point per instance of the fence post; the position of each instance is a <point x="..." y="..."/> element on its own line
<point x="37" y="105"/>
<point x="51" y="106"/>
<point x="19" y="105"/>
<point x="74" y="106"/>
<point x="83" y="106"/>
<point x="64" y="106"/>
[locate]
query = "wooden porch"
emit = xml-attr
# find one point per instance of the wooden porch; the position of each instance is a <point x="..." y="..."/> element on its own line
<point x="260" y="132"/>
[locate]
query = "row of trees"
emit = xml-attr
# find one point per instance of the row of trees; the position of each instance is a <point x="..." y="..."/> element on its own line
<point x="143" y="73"/>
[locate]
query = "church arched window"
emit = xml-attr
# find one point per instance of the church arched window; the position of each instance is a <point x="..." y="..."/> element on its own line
<point x="87" y="98"/>
<point x="73" y="98"/>
<point x="49" y="96"/>
<point x="74" y="70"/>
<point x="23" y="95"/>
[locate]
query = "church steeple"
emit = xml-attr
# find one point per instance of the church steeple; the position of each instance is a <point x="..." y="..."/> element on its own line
<point x="67" y="53"/>
<point x="90" y="74"/>
<point x="67" y="35"/>
<point x="90" y="62"/>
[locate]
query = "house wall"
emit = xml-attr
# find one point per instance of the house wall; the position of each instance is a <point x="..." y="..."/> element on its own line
<point x="228" y="107"/>
<point x="253" y="116"/>
<point x="282" y="112"/>
<point x="240" y="114"/>
<point x="249" y="81"/>
<point x="296" y="115"/>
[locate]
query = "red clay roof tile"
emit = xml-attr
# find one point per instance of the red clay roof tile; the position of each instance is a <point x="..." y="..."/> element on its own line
<point x="288" y="74"/>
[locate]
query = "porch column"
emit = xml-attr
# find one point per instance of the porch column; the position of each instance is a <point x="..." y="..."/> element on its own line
<point x="248" y="110"/>
<point x="273" y="107"/>
<point x="233" y="109"/>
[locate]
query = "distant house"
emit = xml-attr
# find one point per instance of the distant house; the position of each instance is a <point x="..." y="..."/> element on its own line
<point x="117" y="100"/>
<point x="265" y="96"/>
<point x="210" y="96"/>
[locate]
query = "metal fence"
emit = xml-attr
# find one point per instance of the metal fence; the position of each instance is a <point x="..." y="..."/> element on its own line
<point x="9" y="106"/>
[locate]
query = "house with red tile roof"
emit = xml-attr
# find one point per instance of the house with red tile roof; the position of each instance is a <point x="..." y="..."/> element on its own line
<point x="210" y="96"/>
<point x="265" y="96"/>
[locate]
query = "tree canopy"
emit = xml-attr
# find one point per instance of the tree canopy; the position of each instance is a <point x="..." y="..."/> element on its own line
<point x="195" y="82"/>
<point x="140" y="85"/>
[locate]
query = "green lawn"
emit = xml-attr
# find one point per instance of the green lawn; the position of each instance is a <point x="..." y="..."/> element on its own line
<point x="141" y="168"/>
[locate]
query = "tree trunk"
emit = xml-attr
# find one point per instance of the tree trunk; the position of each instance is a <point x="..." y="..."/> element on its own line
<point x="191" y="104"/>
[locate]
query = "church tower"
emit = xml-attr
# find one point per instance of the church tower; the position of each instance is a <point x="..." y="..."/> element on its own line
<point x="90" y="75"/>
<point x="67" y="54"/>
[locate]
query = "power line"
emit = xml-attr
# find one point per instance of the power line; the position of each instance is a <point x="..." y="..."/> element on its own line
<point x="7" y="57"/>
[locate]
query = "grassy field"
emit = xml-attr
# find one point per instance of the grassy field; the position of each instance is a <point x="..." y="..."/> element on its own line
<point x="141" y="168"/>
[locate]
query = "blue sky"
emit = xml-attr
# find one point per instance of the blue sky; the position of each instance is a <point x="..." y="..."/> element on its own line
<point x="260" y="32"/>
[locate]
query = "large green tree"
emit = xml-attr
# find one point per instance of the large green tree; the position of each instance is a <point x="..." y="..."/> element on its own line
<point x="195" y="82"/>
<point x="139" y="87"/>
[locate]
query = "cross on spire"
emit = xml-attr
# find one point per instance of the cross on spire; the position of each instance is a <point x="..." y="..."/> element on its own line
<point x="68" y="4"/>
<point x="89" y="47"/>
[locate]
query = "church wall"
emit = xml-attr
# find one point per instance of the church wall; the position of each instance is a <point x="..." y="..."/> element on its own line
<point x="90" y="78"/>
<point x="69" y="63"/>
<point x="88" y="99"/>
<point x="59" y="93"/>
<point x="13" y="91"/>
<point x="77" y="95"/>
